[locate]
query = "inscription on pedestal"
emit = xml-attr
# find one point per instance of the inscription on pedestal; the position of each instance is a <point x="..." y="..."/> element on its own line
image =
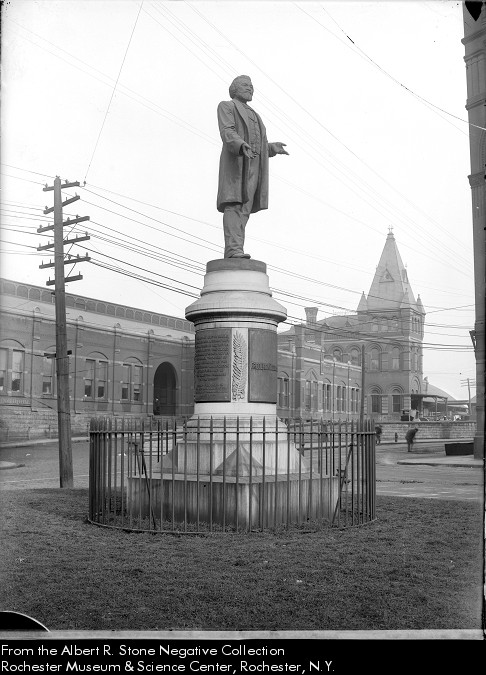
<point x="262" y="366"/>
<point x="212" y="361"/>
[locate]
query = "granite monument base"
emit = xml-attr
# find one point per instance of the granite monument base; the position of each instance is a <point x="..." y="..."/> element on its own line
<point x="255" y="502"/>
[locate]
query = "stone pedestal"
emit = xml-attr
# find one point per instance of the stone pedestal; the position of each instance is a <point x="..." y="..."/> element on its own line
<point x="235" y="375"/>
<point x="236" y="322"/>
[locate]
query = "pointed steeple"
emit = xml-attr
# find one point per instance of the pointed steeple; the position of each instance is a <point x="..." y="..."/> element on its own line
<point x="390" y="288"/>
<point x="363" y="303"/>
<point x="420" y="306"/>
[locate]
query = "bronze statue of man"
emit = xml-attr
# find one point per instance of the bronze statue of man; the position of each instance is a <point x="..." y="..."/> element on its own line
<point x="243" y="166"/>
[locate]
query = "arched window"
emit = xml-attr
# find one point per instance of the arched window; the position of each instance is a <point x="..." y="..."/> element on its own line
<point x="376" y="402"/>
<point x="414" y="359"/>
<point x="395" y="358"/>
<point x="375" y="359"/>
<point x="397" y="401"/>
<point x="18" y="358"/>
<point x="311" y="392"/>
<point x="355" y="356"/>
<point x="337" y="354"/>
<point x="48" y="373"/>
<point x="131" y="381"/>
<point x="283" y="391"/>
<point x="96" y="377"/>
<point x="339" y="398"/>
<point x="12" y="367"/>
<point x="307" y="399"/>
<point x="354" y="399"/>
<point x="326" y="396"/>
<point x="3" y="369"/>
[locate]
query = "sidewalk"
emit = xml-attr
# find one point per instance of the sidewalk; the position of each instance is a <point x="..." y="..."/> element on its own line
<point x="433" y="458"/>
<point x="467" y="461"/>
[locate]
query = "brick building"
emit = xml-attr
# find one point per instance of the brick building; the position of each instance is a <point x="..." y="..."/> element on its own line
<point x="123" y="361"/>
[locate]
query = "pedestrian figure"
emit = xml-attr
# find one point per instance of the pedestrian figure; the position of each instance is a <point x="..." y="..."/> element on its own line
<point x="410" y="437"/>
<point x="378" y="432"/>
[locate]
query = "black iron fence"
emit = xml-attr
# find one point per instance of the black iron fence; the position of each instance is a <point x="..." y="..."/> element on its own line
<point x="231" y="474"/>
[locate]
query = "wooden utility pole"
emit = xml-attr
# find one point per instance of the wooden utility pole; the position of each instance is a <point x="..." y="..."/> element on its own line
<point x="62" y="357"/>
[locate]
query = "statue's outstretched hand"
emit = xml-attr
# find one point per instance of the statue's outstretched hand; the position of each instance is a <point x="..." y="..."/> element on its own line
<point x="279" y="148"/>
<point x="247" y="151"/>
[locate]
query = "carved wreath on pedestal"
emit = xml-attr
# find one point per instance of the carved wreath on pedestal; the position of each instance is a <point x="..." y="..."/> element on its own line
<point x="239" y="367"/>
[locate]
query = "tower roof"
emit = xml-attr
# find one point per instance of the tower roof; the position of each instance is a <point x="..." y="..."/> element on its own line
<point x="390" y="288"/>
<point x="363" y="303"/>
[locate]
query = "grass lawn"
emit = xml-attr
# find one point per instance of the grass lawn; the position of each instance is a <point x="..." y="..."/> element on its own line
<point x="419" y="566"/>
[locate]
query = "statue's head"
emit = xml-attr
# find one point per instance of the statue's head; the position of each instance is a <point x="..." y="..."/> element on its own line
<point x="241" y="88"/>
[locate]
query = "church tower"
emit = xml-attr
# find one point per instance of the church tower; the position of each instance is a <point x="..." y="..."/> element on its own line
<point x="393" y="321"/>
<point x="388" y="327"/>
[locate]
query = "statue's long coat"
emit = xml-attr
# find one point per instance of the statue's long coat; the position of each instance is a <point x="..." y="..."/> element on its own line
<point x="233" y="167"/>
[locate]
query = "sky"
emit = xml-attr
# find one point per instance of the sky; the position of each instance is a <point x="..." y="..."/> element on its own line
<point x="369" y="97"/>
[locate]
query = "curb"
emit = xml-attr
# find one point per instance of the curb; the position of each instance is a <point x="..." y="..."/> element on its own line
<point x="9" y="465"/>
<point x="37" y="441"/>
<point x="473" y="464"/>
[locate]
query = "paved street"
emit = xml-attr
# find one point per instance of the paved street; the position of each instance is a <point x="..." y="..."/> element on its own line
<point x="39" y="468"/>
<point x="442" y="481"/>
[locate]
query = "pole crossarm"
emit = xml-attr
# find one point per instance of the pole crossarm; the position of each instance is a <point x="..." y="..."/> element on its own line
<point x="77" y="277"/>
<point x="69" y="221"/>
<point x="67" y="261"/>
<point x="46" y="247"/>
<point x="50" y="209"/>
<point x="73" y="221"/>
<point x="47" y="188"/>
<point x="76" y="239"/>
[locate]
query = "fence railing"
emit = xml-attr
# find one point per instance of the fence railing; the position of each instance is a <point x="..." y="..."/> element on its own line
<point x="231" y="474"/>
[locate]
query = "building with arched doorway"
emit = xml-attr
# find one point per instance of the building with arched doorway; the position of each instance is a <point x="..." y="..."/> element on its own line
<point x="123" y="361"/>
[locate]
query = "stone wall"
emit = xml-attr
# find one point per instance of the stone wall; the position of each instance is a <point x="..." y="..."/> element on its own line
<point x="22" y="423"/>
<point x="427" y="430"/>
<point x="25" y="424"/>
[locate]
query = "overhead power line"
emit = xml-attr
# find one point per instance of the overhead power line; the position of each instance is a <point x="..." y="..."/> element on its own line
<point x="114" y="89"/>
<point x="394" y="79"/>
<point x="153" y="251"/>
<point x="217" y="248"/>
<point x="339" y="332"/>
